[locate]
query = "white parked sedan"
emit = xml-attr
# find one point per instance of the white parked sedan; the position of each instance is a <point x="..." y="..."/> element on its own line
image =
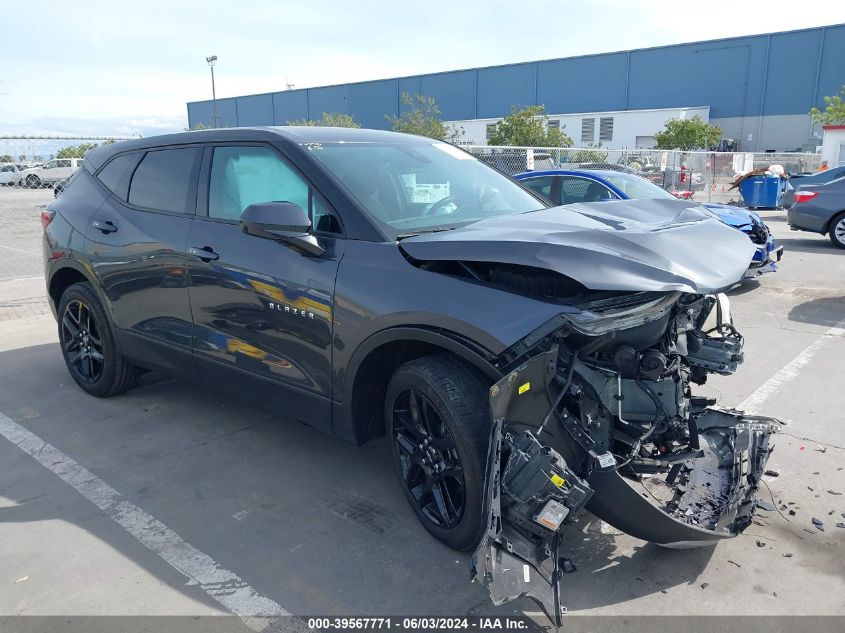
<point x="49" y="173"/>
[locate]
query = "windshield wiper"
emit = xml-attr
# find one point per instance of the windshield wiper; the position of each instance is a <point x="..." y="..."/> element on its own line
<point x="439" y="229"/>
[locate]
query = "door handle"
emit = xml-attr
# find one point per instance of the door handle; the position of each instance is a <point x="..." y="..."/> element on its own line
<point x="205" y="253"/>
<point x="106" y="226"/>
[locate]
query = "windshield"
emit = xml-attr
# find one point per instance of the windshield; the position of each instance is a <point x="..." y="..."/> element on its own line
<point x="635" y="187"/>
<point x="419" y="187"/>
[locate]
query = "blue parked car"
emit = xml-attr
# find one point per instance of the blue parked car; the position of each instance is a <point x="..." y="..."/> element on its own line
<point x="568" y="186"/>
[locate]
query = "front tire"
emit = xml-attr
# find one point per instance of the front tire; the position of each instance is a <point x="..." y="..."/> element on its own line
<point x="33" y="182"/>
<point x="837" y="230"/>
<point x="89" y="347"/>
<point x="437" y="416"/>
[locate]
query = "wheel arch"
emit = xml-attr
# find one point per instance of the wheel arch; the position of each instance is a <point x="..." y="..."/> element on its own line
<point x="359" y="416"/>
<point x="63" y="275"/>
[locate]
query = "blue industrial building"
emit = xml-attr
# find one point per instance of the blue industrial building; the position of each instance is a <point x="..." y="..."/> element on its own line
<point x="758" y="88"/>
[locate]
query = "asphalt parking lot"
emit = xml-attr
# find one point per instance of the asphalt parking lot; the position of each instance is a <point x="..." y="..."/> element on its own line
<point x="174" y="500"/>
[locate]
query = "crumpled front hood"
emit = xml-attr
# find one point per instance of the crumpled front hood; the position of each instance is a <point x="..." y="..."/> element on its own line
<point x="626" y="245"/>
<point x="733" y="216"/>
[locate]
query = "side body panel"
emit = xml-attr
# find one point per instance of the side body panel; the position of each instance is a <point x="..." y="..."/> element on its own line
<point x="380" y="296"/>
<point x="263" y="319"/>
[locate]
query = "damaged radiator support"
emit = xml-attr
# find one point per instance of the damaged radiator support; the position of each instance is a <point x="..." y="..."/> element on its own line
<point x="531" y="491"/>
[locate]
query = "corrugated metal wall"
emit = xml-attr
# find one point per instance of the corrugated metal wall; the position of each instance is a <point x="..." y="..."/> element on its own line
<point x="781" y="73"/>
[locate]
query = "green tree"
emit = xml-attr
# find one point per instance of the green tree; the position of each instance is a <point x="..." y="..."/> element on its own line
<point x="6" y="158"/>
<point x="329" y="119"/>
<point x="590" y="154"/>
<point x="528" y="127"/>
<point x="423" y="119"/>
<point x="834" y="112"/>
<point x="75" y="151"/>
<point x="688" y="134"/>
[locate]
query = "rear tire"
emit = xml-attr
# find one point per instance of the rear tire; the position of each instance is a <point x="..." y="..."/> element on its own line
<point x="837" y="230"/>
<point x="444" y="480"/>
<point x="89" y="347"/>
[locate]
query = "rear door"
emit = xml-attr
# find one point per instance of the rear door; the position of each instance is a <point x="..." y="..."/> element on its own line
<point x="262" y="309"/>
<point x="137" y="242"/>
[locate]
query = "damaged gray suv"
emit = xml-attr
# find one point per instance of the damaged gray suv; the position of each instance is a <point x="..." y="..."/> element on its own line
<point x="526" y="362"/>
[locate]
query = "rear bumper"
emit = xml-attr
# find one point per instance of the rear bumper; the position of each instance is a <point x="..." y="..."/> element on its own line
<point x="802" y="218"/>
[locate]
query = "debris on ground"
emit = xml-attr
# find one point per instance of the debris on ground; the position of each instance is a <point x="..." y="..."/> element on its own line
<point x="810" y="489"/>
<point x="771" y="473"/>
<point x="761" y="543"/>
<point x="792" y="513"/>
<point x="787" y="555"/>
<point x="765" y="505"/>
<point x="833" y="492"/>
<point x="818" y="523"/>
<point x="733" y="562"/>
<point x="840" y="525"/>
<point x="22" y="579"/>
<point x="704" y="585"/>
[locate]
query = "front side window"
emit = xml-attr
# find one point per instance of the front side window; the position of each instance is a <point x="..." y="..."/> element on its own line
<point x="421" y="185"/>
<point x="541" y="185"/>
<point x="241" y="176"/>
<point x="65" y="162"/>
<point x="164" y="180"/>
<point x="49" y="165"/>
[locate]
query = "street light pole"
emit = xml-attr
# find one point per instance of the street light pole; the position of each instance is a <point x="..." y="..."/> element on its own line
<point x="211" y="61"/>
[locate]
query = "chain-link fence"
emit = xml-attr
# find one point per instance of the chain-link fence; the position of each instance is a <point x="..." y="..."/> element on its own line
<point x="702" y="176"/>
<point x="36" y="162"/>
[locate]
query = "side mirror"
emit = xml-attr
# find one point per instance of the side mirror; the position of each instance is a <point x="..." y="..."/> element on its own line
<point x="281" y="221"/>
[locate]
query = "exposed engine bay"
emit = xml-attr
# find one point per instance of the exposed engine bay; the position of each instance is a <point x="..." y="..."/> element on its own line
<point x="596" y="412"/>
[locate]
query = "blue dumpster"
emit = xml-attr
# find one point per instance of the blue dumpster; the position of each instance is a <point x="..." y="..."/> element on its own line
<point x="762" y="192"/>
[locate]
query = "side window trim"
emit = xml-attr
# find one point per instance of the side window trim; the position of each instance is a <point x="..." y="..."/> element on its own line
<point x="193" y="186"/>
<point x="204" y="188"/>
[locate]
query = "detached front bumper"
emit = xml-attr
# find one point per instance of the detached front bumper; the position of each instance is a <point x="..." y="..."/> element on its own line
<point x="708" y="494"/>
<point x="766" y="260"/>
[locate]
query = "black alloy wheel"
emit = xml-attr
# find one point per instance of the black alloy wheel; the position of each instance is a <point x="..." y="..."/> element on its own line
<point x="429" y="461"/>
<point x="88" y="344"/>
<point x="437" y="416"/>
<point x="82" y="342"/>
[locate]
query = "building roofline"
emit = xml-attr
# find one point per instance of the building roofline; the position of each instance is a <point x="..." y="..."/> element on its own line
<point x="527" y="62"/>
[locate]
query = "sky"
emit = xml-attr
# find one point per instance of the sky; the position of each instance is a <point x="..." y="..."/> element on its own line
<point x="125" y="67"/>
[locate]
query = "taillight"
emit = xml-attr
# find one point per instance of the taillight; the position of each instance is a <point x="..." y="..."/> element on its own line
<point x="805" y="196"/>
<point x="46" y="217"/>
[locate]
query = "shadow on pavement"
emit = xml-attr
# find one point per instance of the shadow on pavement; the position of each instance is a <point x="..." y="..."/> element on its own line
<point x="811" y="244"/>
<point x="312" y="522"/>
<point x="824" y="311"/>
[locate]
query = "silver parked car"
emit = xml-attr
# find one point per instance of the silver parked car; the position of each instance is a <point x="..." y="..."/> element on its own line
<point x="821" y="209"/>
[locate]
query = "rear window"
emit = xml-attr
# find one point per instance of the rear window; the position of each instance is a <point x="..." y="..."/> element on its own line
<point x="164" y="180"/>
<point x="115" y="175"/>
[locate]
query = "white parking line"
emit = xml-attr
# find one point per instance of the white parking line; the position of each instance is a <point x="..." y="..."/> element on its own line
<point x="788" y="372"/>
<point x="226" y="587"/>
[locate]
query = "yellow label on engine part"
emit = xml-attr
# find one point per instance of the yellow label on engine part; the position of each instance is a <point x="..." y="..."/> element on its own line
<point x="557" y="480"/>
<point x="524" y="388"/>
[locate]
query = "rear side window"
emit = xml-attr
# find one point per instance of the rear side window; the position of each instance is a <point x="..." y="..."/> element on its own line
<point x="115" y="175"/>
<point x="164" y="180"/>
